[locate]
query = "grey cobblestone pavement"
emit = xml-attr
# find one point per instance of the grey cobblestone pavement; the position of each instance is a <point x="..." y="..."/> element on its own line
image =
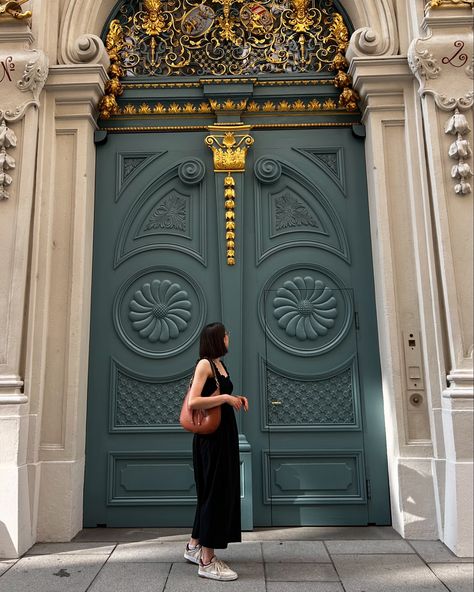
<point x="371" y="559"/>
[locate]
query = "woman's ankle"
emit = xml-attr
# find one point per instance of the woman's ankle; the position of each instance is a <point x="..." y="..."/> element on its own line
<point x="207" y="555"/>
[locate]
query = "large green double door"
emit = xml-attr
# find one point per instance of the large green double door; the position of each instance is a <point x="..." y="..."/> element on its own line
<point x="299" y="304"/>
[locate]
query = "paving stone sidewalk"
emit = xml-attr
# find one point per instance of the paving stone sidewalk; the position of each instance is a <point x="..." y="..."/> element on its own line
<point x="371" y="559"/>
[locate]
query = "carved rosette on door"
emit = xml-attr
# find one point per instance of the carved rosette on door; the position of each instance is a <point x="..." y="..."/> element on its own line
<point x="305" y="312"/>
<point x="159" y="312"/>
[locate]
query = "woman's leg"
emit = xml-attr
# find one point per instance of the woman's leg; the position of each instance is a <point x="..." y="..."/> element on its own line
<point x="206" y="555"/>
<point x="193" y="542"/>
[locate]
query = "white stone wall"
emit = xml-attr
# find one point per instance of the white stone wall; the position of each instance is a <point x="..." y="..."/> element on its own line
<point x="422" y="249"/>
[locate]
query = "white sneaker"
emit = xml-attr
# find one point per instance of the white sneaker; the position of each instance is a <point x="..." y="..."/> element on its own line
<point x="217" y="570"/>
<point x="193" y="554"/>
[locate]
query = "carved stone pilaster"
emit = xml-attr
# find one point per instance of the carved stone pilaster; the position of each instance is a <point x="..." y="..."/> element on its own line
<point x="23" y="72"/>
<point x="442" y="63"/>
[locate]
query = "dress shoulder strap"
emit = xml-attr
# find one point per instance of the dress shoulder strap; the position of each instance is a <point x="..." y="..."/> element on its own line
<point x="214" y="370"/>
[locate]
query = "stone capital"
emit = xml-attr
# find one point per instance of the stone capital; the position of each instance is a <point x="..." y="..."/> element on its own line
<point x="380" y="81"/>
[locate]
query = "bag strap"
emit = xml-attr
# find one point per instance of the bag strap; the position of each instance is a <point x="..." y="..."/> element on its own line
<point x="214" y="373"/>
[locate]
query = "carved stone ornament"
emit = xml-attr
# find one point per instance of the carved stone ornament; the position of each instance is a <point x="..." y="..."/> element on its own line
<point x="22" y="77"/>
<point x="23" y="73"/>
<point x="7" y="162"/>
<point x="381" y="38"/>
<point x="460" y="151"/>
<point x="443" y="64"/>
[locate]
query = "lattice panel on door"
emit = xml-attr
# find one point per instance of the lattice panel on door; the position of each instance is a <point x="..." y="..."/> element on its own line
<point x="140" y="403"/>
<point x="328" y="402"/>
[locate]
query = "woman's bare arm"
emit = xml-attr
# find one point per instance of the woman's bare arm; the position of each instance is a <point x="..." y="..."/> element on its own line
<point x="195" y="401"/>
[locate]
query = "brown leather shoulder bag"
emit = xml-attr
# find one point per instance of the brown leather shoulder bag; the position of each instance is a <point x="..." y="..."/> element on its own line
<point x="201" y="421"/>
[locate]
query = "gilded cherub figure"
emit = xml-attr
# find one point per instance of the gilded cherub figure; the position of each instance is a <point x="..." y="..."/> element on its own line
<point x="13" y="9"/>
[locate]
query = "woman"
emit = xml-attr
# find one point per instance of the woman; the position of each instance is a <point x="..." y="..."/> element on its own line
<point x="216" y="460"/>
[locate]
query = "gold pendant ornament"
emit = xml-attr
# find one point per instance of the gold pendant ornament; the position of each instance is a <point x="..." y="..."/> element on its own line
<point x="229" y="194"/>
<point x="114" y="43"/>
<point x="229" y="145"/>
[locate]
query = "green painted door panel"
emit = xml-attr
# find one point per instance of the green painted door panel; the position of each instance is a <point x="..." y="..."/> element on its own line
<point x="154" y="287"/>
<point x="299" y="305"/>
<point x="312" y="354"/>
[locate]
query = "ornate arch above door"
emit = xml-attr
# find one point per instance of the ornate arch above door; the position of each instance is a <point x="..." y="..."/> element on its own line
<point x="374" y="23"/>
<point x="150" y="41"/>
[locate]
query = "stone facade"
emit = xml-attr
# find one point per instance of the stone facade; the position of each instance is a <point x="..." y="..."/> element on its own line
<point x="412" y="66"/>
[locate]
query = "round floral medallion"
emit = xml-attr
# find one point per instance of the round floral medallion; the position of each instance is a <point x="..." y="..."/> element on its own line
<point x="305" y="308"/>
<point x="160" y="310"/>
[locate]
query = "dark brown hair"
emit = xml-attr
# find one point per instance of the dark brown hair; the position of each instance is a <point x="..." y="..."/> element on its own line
<point x="211" y="344"/>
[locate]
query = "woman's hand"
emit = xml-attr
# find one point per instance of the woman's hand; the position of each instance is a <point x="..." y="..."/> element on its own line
<point x="245" y="403"/>
<point x="237" y="402"/>
<point x="234" y="402"/>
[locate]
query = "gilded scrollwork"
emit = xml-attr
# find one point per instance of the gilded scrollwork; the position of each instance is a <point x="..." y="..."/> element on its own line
<point x="223" y="38"/>
<point x="220" y="37"/>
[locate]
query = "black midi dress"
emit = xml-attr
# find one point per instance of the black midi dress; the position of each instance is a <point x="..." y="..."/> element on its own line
<point x="217" y="475"/>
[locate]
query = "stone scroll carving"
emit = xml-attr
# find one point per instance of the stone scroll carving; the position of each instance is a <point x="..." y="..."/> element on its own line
<point x="439" y="66"/>
<point x="443" y="64"/>
<point x="89" y="49"/>
<point x="380" y="36"/>
<point x="23" y="73"/>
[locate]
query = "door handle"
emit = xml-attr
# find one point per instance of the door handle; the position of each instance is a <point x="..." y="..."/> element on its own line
<point x="276" y="402"/>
